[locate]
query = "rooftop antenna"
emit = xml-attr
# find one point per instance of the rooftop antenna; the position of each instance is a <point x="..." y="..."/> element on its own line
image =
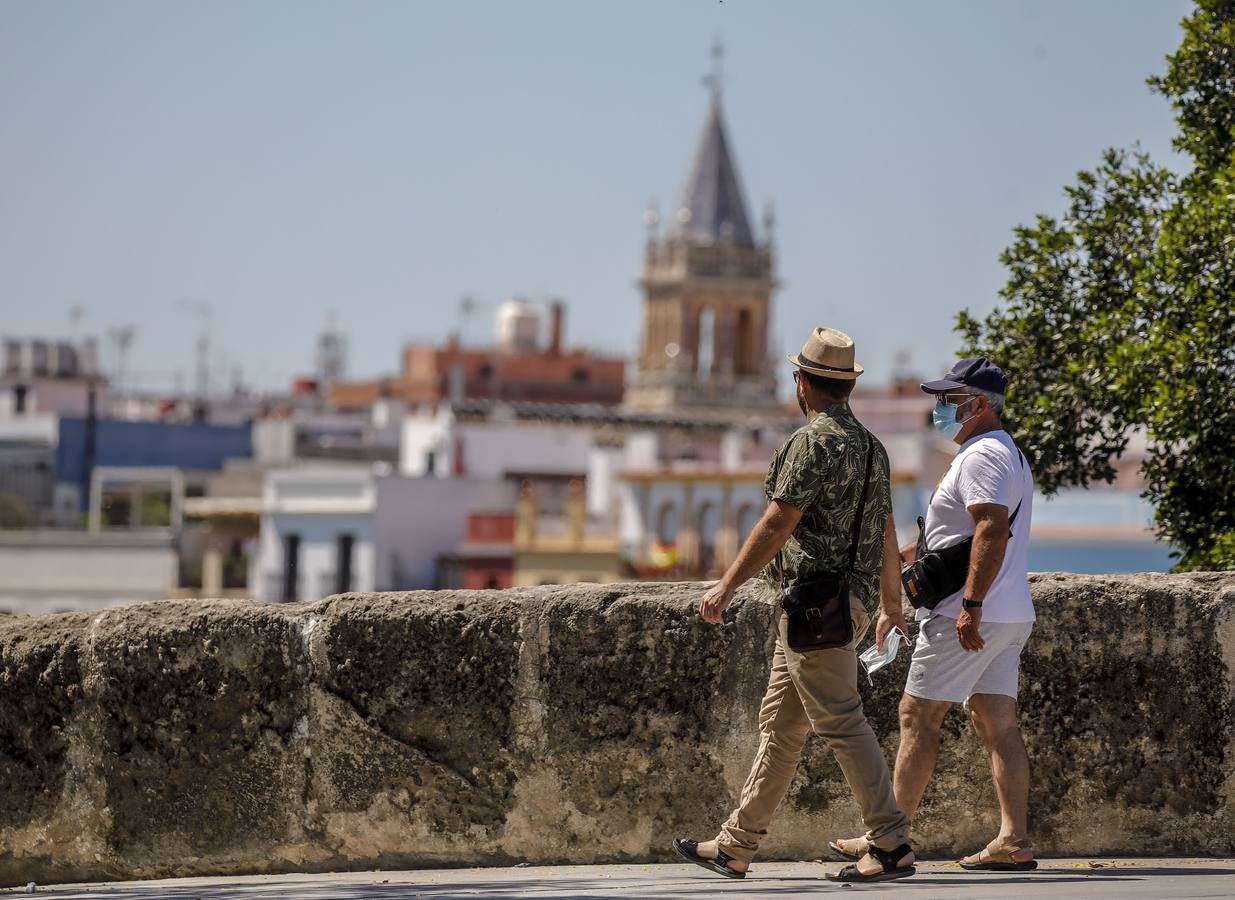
<point x="121" y="337"/>
<point x="202" y="346"/>
<point x="330" y="361"/>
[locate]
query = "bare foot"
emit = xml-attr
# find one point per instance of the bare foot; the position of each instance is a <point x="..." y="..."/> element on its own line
<point x="710" y="850"/>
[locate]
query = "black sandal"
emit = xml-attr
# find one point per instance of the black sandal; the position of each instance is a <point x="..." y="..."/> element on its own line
<point x="688" y="849"/>
<point x="886" y="858"/>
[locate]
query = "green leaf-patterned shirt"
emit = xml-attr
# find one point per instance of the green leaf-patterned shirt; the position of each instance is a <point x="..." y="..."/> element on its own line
<point x="820" y="470"/>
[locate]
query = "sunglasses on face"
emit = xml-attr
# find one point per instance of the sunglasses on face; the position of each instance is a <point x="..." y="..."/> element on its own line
<point x="955" y="399"/>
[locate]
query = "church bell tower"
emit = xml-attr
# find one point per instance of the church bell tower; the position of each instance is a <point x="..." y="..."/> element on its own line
<point x="708" y="287"/>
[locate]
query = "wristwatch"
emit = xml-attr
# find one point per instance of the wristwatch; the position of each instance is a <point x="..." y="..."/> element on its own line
<point x="966" y="603"/>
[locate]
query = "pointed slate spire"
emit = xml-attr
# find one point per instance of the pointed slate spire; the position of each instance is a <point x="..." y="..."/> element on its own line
<point x="712" y="207"/>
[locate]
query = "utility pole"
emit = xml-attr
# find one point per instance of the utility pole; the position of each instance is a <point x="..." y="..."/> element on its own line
<point x="202" y="311"/>
<point x="89" y="449"/>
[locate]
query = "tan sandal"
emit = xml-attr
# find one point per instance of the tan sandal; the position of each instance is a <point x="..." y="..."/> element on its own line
<point x="997" y="857"/>
<point x="861" y="846"/>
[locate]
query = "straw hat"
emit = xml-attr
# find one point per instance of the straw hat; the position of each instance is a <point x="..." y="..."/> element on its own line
<point x="829" y="353"/>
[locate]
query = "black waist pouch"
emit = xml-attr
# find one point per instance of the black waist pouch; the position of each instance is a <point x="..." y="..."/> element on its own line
<point x="818" y="614"/>
<point x="935" y="574"/>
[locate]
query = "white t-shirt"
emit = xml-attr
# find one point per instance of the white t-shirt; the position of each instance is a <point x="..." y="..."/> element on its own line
<point x="987" y="469"/>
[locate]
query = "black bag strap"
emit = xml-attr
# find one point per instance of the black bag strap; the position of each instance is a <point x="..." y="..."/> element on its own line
<point x="922" y="548"/>
<point x="1018" y="506"/>
<point x="857" y="519"/>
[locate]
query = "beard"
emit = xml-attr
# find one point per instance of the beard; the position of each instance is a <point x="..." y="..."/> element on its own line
<point x="802" y="403"/>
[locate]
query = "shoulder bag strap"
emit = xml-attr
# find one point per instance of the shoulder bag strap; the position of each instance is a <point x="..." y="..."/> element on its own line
<point x="857" y="519"/>
<point x="1018" y="506"/>
<point x="1011" y="518"/>
<point x="780" y="563"/>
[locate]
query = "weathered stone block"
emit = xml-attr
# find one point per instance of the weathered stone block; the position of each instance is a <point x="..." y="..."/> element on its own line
<point x="44" y="807"/>
<point x="631" y="692"/>
<point x="169" y="740"/>
<point x="199" y="751"/>
<point x="411" y="725"/>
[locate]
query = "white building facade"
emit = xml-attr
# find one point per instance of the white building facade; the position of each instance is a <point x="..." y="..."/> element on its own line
<point x="329" y="530"/>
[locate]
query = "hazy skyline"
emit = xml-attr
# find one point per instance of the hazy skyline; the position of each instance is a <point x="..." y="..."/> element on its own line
<point x="382" y="160"/>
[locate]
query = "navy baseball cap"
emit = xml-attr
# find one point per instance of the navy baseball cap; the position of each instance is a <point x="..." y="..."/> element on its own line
<point x="978" y="373"/>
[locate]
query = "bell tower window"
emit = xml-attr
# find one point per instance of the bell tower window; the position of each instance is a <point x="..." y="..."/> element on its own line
<point x="707" y="341"/>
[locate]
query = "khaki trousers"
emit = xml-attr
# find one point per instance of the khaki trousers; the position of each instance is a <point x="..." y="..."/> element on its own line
<point x="817" y="690"/>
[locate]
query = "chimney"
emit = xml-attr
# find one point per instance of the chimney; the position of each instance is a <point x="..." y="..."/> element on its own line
<point x="556" y="310"/>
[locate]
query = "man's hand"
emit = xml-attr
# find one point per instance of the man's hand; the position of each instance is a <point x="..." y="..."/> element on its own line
<point x="967" y="629"/>
<point x="888" y="621"/>
<point x="762" y="544"/>
<point x="714" y="603"/>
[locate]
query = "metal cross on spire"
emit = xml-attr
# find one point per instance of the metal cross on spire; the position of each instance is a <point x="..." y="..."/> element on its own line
<point x="714" y="80"/>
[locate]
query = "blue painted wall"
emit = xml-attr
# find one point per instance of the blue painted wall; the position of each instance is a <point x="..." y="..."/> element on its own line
<point x="120" y="443"/>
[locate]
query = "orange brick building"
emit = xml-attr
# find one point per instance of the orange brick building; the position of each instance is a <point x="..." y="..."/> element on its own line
<point x="517" y="368"/>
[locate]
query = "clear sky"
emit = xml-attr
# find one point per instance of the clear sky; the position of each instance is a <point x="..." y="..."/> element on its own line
<point x="280" y="160"/>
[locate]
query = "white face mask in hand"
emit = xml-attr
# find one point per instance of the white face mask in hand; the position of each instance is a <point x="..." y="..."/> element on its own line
<point x="873" y="660"/>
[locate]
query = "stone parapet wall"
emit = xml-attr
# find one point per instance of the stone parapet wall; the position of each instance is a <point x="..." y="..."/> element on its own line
<point x="577" y="724"/>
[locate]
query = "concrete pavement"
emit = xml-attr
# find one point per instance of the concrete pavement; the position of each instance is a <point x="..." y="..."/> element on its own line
<point x="1058" y="879"/>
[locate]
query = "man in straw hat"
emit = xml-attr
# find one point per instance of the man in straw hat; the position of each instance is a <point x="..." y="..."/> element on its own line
<point x="817" y="483"/>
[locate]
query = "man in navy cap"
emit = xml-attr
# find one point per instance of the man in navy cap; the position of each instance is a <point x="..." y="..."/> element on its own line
<point x="969" y="644"/>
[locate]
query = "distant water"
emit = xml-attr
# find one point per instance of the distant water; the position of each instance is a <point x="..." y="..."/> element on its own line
<point x="1099" y="557"/>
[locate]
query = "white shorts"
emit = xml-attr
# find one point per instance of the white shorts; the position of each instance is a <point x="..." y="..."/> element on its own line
<point x="943" y="670"/>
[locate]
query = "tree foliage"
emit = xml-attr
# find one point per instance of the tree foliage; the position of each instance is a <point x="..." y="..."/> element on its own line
<point x="1118" y="319"/>
<point x="1200" y="83"/>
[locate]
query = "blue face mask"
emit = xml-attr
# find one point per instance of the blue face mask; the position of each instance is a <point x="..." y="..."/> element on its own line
<point x="945" y="419"/>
